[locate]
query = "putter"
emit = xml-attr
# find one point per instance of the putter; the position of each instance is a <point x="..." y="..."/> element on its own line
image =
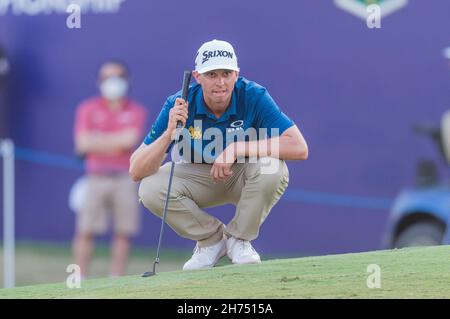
<point x="186" y="80"/>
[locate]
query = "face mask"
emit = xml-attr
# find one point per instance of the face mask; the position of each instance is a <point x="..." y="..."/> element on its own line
<point x="114" y="88"/>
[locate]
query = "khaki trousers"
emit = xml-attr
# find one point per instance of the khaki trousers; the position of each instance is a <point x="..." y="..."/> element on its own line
<point x="252" y="188"/>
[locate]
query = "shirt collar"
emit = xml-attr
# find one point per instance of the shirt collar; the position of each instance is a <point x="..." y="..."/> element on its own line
<point x="202" y="109"/>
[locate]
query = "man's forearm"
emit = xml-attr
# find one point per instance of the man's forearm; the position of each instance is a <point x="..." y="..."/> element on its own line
<point x="106" y="143"/>
<point x="147" y="159"/>
<point x="283" y="147"/>
<point x="99" y="144"/>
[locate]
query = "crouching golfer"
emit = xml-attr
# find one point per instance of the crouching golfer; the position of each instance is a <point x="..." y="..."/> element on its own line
<point x="233" y="149"/>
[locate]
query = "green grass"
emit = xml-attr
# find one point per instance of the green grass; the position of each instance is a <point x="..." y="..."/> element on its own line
<point x="46" y="262"/>
<point x="405" y="273"/>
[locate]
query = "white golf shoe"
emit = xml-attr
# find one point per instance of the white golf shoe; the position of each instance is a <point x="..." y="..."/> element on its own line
<point x="242" y="252"/>
<point x="206" y="257"/>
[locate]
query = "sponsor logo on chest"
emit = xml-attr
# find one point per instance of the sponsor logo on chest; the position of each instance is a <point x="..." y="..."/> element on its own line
<point x="236" y="126"/>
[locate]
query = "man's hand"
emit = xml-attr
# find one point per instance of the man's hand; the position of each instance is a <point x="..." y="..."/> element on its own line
<point x="221" y="169"/>
<point x="178" y="113"/>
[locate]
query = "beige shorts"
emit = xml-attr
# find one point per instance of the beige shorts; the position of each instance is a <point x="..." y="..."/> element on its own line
<point x="111" y="198"/>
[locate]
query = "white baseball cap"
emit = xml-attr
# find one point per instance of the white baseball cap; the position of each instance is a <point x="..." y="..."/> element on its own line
<point x="216" y="55"/>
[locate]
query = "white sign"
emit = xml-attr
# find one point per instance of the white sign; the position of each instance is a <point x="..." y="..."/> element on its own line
<point x="359" y="7"/>
<point x="40" y="7"/>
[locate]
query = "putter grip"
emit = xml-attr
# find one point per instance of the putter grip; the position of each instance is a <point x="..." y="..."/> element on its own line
<point x="184" y="94"/>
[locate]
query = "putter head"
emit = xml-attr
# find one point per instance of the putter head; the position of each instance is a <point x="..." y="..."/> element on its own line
<point x="148" y="274"/>
<point x="151" y="273"/>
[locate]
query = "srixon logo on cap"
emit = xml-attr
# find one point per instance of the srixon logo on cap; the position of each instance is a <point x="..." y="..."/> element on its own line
<point x="216" y="53"/>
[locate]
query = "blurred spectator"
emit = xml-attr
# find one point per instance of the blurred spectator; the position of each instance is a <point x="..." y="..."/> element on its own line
<point x="107" y="129"/>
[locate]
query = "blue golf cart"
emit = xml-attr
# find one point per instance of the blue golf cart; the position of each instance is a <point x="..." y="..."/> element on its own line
<point x="420" y="215"/>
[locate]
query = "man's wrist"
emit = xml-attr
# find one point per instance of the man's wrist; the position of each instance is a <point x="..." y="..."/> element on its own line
<point x="239" y="149"/>
<point x="230" y="152"/>
<point x="166" y="136"/>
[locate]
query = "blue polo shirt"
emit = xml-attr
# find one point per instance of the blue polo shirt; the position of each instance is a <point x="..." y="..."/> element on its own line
<point x="252" y="114"/>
